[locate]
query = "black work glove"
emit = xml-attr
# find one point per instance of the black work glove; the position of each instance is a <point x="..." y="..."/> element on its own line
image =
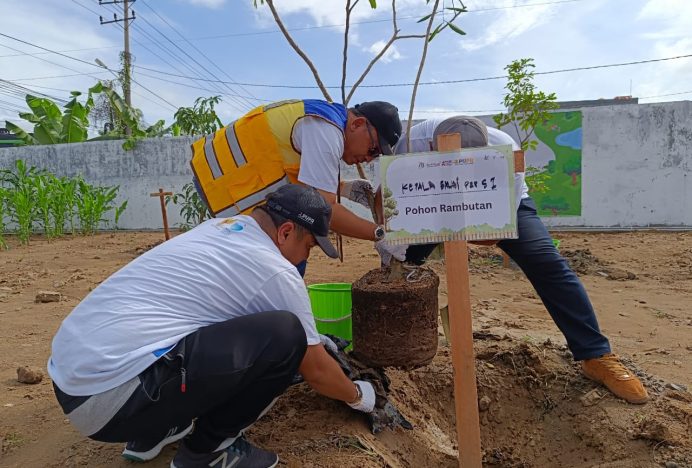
<point x="387" y="417"/>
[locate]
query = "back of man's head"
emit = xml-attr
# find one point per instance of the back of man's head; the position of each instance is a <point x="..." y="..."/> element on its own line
<point x="473" y="131"/>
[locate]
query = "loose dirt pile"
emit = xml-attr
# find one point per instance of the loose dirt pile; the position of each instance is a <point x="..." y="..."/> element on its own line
<point x="537" y="410"/>
<point x="532" y="414"/>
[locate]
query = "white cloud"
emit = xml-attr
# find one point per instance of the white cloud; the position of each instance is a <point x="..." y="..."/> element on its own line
<point x="666" y="25"/>
<point x="330" y="12"/>
<point x="213" y="4"/>
<point x="389" y="56"/>
<point x="509" y="24"/>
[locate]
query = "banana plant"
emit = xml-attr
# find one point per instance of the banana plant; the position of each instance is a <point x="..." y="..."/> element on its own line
<point x="53" y="126"/>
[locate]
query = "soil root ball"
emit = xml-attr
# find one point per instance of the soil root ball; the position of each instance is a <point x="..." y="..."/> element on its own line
<point x="395" y="323"/>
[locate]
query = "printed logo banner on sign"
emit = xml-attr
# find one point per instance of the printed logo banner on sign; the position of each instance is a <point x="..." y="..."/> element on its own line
<point x="467" y="194"/>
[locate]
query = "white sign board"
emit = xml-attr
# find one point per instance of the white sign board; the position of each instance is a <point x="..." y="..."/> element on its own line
<point x="466" y="194"/>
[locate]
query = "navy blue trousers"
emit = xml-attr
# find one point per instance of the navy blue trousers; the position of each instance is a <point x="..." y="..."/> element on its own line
<point x="557" y="285"/>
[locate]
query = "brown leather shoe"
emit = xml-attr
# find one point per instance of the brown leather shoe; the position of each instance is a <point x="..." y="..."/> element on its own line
<point x="609" y="371"/>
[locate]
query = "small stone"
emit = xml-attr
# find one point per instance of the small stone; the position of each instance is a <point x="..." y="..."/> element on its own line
<point x="484" y="403"/>
<point x="590" y="398"/>
<point x="677" y="363"/>
<point x="489" y="366"/>
<point x="671" y="464"/>
<point x="622" y="314"/>
<point x="676" y="387"/>
<point x="48" y="296"/>
<point x="29" y="376"/>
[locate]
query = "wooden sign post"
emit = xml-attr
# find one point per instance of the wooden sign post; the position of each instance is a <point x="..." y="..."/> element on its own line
<point x="161" y="194"/>
<point x="453" y="195"/>
<point x="461" y="330"/>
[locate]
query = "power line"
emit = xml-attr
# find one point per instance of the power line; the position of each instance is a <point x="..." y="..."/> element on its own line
<point x="307" y="28"/>
<point x="42" y="59"/>
<point x="42" y="87"/>
<point x="16" y="108"/>
<point x="82" y="61"/>
<point x="429" y="83"/>
<point x="477" y="111"/>
<point x="200" y="77"/>
<point x="155" y="54"/>
<point x="55" y="76"/>
<point x="177" y="58"/>
<point x="22" y="91"/>
<point x="135" y="40"/>
<point x="666" y="95"/>
<point x="245" y="105"/>
<point x="388" y="20"/>
<point x="195" y="47"/>
<point x="198" y="87"/>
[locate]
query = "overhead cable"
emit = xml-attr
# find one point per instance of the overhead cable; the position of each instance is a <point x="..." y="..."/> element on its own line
<point x="440" y="82"/>
<point x="82" y="61"/>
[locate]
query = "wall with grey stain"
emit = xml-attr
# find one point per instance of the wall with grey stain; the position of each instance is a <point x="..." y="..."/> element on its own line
<point x="636" y="166"/>
<point x="637" y="169"/>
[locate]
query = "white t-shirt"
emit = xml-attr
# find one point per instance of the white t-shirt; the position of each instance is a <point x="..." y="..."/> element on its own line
<point x="223" y="268"/>
<point x="422" y="139"/>
<point x="321" y="145"/>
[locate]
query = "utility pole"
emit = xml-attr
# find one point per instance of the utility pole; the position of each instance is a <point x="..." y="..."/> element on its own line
<point x="127" y="58"/>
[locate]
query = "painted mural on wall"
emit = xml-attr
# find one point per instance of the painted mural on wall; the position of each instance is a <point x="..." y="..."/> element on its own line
<point x="558" y="155"/>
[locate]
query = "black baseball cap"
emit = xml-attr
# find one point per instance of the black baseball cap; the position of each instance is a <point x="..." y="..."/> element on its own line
<point x="385" y="118"/>
<point x="306" y="207"/>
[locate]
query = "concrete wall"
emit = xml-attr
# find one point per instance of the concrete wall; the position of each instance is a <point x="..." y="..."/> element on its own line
<point x="154" y="163"/>
<point x="636" y="166"/>
<point x="637" y="169"/>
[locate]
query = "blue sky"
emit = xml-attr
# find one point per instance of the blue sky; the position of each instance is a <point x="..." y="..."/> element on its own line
<point x="245" y="45"/>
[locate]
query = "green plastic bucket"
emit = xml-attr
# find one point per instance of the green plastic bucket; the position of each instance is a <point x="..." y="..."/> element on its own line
<point x="331" y="306"/>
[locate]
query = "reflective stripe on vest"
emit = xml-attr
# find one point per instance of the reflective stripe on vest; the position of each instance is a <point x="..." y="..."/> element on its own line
<point x="240" y="164"/>
<point x="210" y="154"/>
<point x="236" y="151"/>
<point x="252" y="200"/>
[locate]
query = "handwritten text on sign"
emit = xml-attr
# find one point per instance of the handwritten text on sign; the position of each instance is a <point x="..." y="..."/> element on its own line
<point x="462" y="195"/>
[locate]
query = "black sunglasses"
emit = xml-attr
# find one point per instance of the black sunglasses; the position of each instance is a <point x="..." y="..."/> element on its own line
<point x="375" y="149"/>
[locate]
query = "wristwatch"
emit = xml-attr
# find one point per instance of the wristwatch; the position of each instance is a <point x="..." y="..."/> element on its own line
<point x="379" y="233"/>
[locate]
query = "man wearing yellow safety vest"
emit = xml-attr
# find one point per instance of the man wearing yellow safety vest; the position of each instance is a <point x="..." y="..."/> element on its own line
<point x="295" y="141"/>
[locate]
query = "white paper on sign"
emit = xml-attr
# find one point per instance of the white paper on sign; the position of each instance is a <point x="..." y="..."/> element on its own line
<point x="434" y="197"/>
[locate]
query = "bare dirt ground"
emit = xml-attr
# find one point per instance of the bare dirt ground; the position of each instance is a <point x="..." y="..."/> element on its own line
<point x="537" y="410"/>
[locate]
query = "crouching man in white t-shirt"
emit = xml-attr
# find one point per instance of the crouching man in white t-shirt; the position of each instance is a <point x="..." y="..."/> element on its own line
<point x="211" y="325"/>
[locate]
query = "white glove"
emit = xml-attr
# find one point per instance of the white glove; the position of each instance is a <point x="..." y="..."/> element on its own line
<point x="388" y="251"/>
<point x="329" y="344"/>
<point x="358" y="191"/>
<point x="367" y="402"/>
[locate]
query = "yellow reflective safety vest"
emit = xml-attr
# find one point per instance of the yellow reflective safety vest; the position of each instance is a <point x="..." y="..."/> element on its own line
<point x="240" y="164"/>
